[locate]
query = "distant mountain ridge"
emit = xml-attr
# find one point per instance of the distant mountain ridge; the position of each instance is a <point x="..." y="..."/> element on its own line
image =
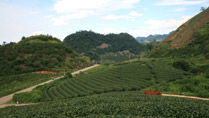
<point x="153" y="37"/>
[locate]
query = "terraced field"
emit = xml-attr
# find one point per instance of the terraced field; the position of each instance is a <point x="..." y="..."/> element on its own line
<point x="113" y="104"/>
<point x="127" y="77"/>
<point x="163" y="72"/>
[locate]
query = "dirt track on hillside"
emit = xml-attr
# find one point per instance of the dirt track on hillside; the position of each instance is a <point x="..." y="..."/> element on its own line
<point x="7" y="98"/>
<point x="183" y="96"/>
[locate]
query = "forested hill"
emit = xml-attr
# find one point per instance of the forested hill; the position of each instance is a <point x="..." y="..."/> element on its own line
<point x="36" y="53"/>
<point x="94" y="45"/>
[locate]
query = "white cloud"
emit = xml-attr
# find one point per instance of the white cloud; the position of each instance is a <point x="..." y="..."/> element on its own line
<point x="63" y="6"/>
<point x="133" y="13"/>
<point x="158" y="26"/>
<point x="62" y="20"/>
<point x="131" y="16"/>
<point x="181" y="2"/>
<point x="167" y="23"/>
<point x="113" y="17"/>
<point x="179" y="10"/>
<point x="48" y="16"/>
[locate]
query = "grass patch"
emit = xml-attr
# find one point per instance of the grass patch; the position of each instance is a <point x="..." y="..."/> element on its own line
<point x="35" y="96"/>
<point x="14" y="83"/>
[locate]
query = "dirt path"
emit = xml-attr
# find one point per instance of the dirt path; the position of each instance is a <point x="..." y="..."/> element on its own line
<point x="6" y="105"/>
<point x="183" y="96"/>
<point x="7" y="98"/>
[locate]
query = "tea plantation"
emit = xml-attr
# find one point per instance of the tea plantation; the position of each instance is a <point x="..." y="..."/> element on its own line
<point x="113" y="104"/>
<point x="126" y="77"/>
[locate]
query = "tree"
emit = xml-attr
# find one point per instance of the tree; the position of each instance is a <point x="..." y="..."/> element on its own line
<point x="202" y="9"/>
<point x="4" y="43"/>
<point x="149" y="46"/>
<point x="182" y="64"/>
<point x="69" y="75"/>
<point x="23" y="37"/>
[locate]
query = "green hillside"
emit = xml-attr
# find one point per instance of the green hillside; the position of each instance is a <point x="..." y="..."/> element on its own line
<point x="190" y="40"/>
<point x="194" y="57"/>
<point x="185" y="34"/>
<point x="38" y="53"/>
<point x="98" y="46"/>
<point x="198" y="47"/>
<point x="187" y="49"/>
<point x="114" y="104"/>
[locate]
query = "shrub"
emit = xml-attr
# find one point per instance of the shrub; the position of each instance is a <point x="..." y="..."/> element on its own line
<point x="203" y="93"/>
<point x="207" y="73"/>
<point x="69" y="75"/>
<point x="182" y="64"/>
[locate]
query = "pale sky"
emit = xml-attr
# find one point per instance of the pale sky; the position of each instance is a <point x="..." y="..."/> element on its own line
<point x="60" y="18"/>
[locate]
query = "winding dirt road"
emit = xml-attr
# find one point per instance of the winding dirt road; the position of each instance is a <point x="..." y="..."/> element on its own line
<point x="7" y="98"/>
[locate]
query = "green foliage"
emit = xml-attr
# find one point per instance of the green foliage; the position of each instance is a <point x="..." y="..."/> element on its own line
<point x="35" y="96"/>
<point x="87" y="42"/>
<point x="196" y="86"/>
<point x="77" y="61"/>
<point x="100" y="68"/>
<point x="114" y="104"/>
<point x="182" y="64"/>
<point x="69" y="75"/>
<point x="109" y="58"/>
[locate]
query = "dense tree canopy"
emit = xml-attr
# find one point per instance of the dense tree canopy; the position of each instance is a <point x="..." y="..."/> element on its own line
<point x="88" y="43"/>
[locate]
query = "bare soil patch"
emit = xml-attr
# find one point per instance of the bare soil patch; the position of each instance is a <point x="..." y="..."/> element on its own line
<point x="104" y="45"/>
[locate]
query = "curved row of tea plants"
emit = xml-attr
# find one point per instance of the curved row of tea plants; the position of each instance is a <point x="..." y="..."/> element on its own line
<point x="133" y="76"/>
<point x="164" y="73"/>
<point x="126" y="77"/>
<point x="113" y="104"/>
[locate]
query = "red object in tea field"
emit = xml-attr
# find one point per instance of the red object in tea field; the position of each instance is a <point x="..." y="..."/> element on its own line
<point x="152" y="92"/>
